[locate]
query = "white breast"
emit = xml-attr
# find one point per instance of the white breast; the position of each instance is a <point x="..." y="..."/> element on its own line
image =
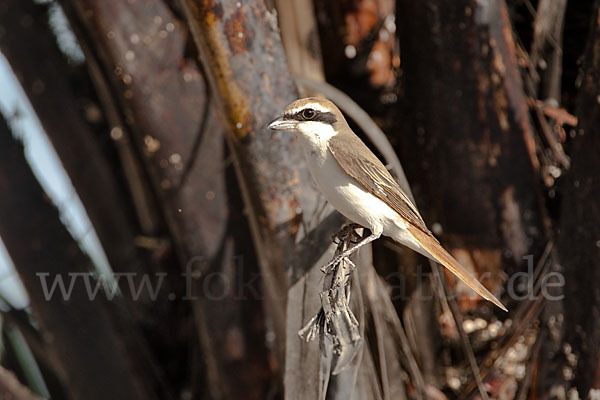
<point x="343" y="192"/>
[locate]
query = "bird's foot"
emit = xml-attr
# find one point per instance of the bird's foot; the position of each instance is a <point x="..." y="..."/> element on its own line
<point x="338" y="259"/>
<point x="349" y="251"/>
<point x="325" y="268"/>
<point x="346" y="233"/>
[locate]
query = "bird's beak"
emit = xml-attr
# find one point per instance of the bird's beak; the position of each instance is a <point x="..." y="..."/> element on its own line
<point x="280" y="124"/>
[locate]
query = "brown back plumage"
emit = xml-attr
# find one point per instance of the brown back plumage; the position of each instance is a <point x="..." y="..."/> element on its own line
<point x="358" y="161"/>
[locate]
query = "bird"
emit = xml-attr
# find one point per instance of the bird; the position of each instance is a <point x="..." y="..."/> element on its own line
<point x="357" y="184"/>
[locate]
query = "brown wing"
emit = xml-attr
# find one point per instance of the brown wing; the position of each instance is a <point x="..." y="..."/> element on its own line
<point x="357" y="160"/>
<point x="360" y="163"/>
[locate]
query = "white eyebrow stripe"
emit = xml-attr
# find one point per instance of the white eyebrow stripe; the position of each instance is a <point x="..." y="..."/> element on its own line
<point x="314" y="106"/>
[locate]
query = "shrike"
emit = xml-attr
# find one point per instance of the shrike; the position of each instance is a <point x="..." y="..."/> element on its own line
<point x="359" y="186"/>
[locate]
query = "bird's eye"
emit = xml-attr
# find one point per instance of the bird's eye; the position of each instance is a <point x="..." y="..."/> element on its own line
<point x="308" y="114"/>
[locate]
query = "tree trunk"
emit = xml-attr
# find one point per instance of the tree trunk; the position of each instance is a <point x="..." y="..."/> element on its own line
<point x="466" y="137"/>
<point x="578" y="242"/>
<point x="272" y="172"/>
<point x="142" y="50"/>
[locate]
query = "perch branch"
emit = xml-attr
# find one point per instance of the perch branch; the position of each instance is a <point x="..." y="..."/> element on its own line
<point x="335" y="324"/>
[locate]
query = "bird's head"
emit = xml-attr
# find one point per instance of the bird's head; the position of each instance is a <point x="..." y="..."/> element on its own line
<point x="310" y="116"/>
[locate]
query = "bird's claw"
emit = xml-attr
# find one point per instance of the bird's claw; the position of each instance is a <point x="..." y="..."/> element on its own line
<point x="345" y="235"/>
<point x="336" y="260"/>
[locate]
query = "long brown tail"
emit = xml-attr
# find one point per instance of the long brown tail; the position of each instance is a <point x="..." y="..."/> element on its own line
<point x="440" y="255"/>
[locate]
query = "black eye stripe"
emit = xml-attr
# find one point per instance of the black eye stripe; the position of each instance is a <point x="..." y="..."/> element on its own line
<point x="327" y="117"/>
<point x="321" y="116"/>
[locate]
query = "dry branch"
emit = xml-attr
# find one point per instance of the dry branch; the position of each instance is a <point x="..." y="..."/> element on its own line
<point x="33" y="53"/>
<point x="298" y="25"/>
<point x="335" y="325"/>
<point x="77" y="330"/>
<point x="546" y="49"/>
